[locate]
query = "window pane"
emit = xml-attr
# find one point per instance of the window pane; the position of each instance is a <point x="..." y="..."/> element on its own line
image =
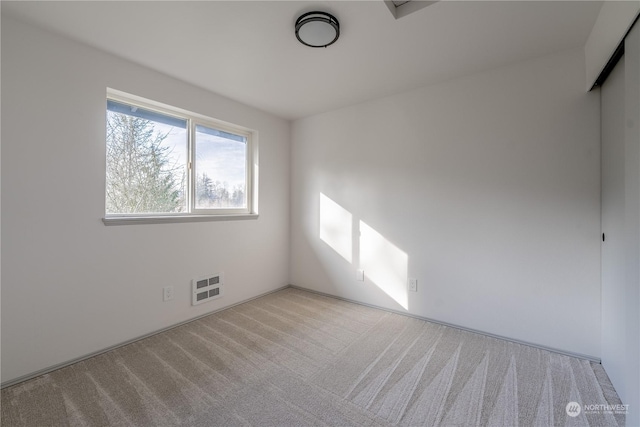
<point x="220" y="169"/>
<point x="146" y="161"/>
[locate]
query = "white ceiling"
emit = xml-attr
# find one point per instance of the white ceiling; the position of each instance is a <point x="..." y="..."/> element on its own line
<point x="247" y="50"/>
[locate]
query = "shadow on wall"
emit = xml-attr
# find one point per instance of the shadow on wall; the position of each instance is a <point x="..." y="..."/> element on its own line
<point x="384" y="264"/>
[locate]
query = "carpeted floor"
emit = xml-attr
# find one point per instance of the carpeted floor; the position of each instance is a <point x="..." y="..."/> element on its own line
<point x="295" y="358"/>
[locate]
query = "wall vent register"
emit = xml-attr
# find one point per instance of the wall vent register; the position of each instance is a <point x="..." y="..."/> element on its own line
<point x="206" y="288"/>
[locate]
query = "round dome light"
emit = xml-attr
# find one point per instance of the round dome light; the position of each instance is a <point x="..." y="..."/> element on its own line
<point x="317" y="29"/>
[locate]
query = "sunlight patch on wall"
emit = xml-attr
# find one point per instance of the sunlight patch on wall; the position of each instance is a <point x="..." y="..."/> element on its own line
<point x="335" y="227"/>
<point x="384" y="264"/>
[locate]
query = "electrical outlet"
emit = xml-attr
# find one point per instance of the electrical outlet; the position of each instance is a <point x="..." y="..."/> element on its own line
<point x="413" y="284"/>
<point x="360" y="275"/>
<point x="167" y="293"/>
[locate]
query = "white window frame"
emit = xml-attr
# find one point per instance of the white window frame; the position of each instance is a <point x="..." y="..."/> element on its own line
<point x="192" y="214"/>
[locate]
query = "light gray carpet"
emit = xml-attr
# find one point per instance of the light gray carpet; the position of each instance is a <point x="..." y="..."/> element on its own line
<point x="294" y="358"/>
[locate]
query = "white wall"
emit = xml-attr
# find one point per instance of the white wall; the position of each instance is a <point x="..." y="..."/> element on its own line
<point x="0" y="206"/>
<point x="621" y="215"/>
<point x="632" y="224"/>
<point x="485" y="189"/>
<point x="614" y="282"/>
<point x="71" y="285"/>
<point x="632" y="213"/>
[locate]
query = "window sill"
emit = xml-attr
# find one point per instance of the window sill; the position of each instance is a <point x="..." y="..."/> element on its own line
<point x="130" y="220"/>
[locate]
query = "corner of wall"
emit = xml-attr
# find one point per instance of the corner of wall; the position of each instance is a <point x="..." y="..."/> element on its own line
<point x="612" y="24"/>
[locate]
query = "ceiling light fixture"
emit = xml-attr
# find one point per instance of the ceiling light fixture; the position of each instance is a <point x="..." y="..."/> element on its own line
<point x="317" y="29"/>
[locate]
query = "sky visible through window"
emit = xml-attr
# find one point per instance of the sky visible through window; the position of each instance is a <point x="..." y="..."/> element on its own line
<point x="176" y="142"/>
<point x="220" y="158"/>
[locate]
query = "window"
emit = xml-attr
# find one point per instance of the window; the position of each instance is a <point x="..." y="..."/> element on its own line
<point x="166" y="164"/>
